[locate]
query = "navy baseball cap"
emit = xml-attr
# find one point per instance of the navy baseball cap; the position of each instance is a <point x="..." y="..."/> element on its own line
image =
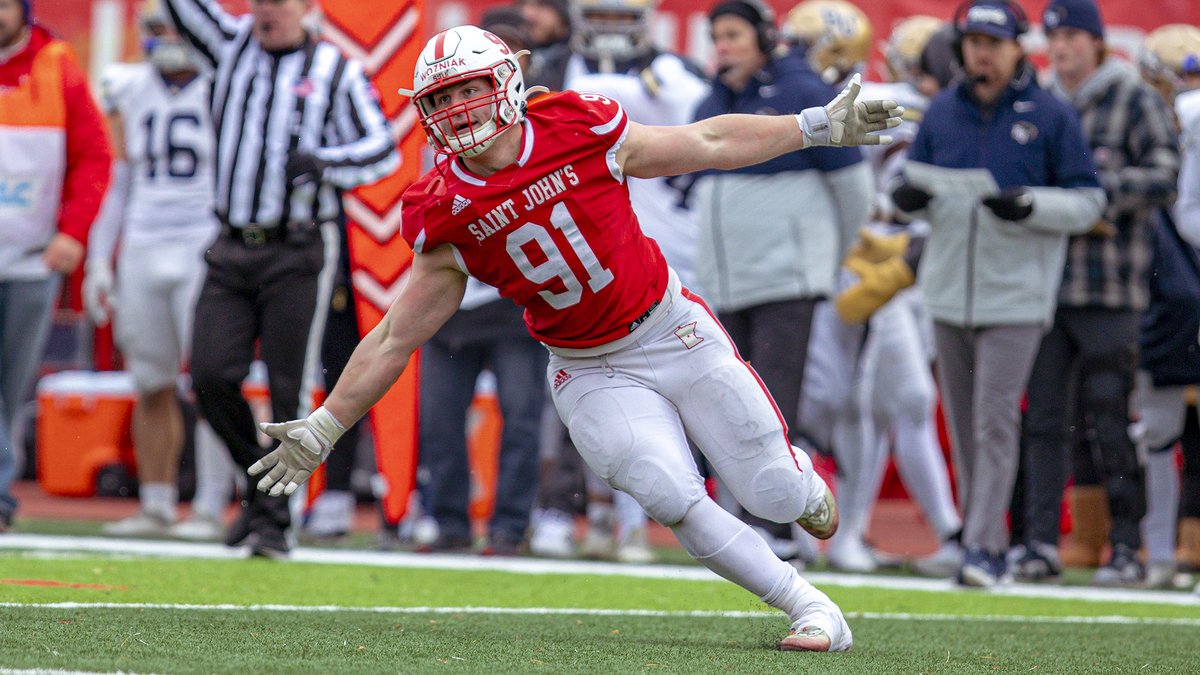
<point x="1081" y="14"/>
<point x="991" y="18"/>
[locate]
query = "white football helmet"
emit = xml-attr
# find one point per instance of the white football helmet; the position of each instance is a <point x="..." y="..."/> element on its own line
<point x="611" y="30"/>
<point x="162" y="45"/>
<point x="456" y="56"/>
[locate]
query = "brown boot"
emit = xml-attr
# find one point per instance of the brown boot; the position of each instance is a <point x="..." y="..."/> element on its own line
<point x="1091" y="524"/>
<point x="1187" y="556"/>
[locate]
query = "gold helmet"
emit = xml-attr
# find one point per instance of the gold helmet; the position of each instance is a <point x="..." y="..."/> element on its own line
<point x="836" y="33"/>
<point x="1168" y="54"/>
<point x="905" y="44"/>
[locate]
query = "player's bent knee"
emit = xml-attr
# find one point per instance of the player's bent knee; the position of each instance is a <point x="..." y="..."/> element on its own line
<point x="663" y="491"/>
<point x="778" y="492"/>
<point x="600" y="430"/>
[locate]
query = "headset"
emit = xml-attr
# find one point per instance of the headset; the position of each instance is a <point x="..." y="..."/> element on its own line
<point x="764" y="28"/>
<point x="960" y="19"/>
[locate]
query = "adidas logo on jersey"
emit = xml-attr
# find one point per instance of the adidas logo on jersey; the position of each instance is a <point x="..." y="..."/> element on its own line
<point x="460" y="202"/>
<point x="560" y="378"/>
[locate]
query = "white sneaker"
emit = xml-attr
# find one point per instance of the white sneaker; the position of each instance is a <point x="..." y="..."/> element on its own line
<point x="850" y="554"/>
<point x="943" y="563"/>
<point x="425" y="531"/>
<point x="140" y="524"/>
<point x="1160" y="574"/>
<point x="553" y="535"/>
<point x="198" y="527"/>
<point x="634" y="549"/>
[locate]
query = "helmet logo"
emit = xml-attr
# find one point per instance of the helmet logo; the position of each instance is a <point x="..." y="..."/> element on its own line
<point x="445" y="44"/>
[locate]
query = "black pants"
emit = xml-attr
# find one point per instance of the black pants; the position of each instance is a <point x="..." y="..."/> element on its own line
<point x="341" y="337"/>
<point x="275" y="294"/>
<point x="1091" y="352"/>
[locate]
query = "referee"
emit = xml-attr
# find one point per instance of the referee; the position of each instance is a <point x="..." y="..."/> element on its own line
<point x="296" y="123"/>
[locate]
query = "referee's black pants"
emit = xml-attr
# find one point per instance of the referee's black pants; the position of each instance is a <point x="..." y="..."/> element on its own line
<point x="275" y="293"/>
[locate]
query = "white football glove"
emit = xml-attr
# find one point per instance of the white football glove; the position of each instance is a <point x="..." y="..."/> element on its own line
<point x="303" y="445"/>
<point x="845" y="121"/>
<point x="98" y="298"/>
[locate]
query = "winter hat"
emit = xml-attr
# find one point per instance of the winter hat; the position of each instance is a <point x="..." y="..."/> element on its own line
<point x="1081" y="14"/>
<point x="27" y="5"/>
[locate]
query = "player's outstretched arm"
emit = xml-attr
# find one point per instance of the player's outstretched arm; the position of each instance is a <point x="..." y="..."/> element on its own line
<point x="733" y="141"/>
<point x="434" y="290"/>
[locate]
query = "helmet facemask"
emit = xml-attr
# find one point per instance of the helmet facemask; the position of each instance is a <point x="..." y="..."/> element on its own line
<point x="469" y="139"/>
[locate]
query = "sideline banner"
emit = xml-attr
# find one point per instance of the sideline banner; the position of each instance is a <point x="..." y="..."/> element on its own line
<point x="386" y="37"/>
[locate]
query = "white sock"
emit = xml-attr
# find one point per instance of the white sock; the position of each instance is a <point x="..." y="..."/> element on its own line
<point x="922" y="467"/>
<point x="214" y="473"/>
<point x="1162" y="506"/>
<point x="159" y="499"/>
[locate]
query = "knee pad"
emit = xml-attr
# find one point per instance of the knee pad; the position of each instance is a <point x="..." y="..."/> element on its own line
<point x="736" y="412"/>
<point x="778" y="492"/>
<point x="645" y="466"/>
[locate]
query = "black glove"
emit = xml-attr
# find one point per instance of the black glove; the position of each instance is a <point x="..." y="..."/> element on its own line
<point x="1013" y="203"/>
<point x="909" y="198"/>
<point x="303" y="167"/>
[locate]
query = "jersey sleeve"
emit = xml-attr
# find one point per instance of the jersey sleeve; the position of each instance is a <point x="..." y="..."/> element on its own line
<point x="602" y="122"/>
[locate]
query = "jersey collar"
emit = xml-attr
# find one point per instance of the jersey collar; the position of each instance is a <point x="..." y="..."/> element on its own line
<point x="472" y="179"/>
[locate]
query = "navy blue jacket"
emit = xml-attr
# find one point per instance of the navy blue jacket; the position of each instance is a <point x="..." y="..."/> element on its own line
<point x="958" y="133"/>
<point x="786" y="85"/>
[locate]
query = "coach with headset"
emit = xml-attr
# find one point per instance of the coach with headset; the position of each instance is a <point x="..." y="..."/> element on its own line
<point x="992" y="266"/>
<point x="771" y="236"/>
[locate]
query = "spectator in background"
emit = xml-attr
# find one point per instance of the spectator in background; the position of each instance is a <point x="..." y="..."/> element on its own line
<point x="549" y="26"/>
<point x="55" y="162"/>
<point x="772" y="234"/>
<point x="296" y="122"/>
<point x="160" y="206"/>
<point x="991" y="268"/>
<point x="1092" y="346"/>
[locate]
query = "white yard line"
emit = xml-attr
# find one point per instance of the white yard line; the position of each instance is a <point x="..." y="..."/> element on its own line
<point x="57" y="545"/>
<point x="583" y="611"/>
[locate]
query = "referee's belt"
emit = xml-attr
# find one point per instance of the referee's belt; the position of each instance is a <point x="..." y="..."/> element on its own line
<point x="254" y="236"/>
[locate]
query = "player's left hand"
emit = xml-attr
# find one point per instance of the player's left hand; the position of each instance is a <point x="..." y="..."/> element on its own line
<point x="303" y="445"/>
<point x="303" y="167"/>
<point x="845" y="121"/>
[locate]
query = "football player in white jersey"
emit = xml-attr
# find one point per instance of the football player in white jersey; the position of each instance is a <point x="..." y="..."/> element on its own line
<point x="612" y="53"/>
<point x="160" y="207"/>
<point x="879" y="385"/>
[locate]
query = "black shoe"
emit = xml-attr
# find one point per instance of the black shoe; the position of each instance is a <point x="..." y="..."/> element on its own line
<point x="505" y="546"/>
<point x="1122" y="569"/>
<point x="241" y="528"/>
<point x="446" y="544"/>
<point x="6" y="520"/>
<point x="269" y="542"/>
<point x="1037" y="562"/>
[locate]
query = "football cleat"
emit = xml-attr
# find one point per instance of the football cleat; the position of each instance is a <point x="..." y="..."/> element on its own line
<point x="806" y="639"/>
<point x="821" y="522"/>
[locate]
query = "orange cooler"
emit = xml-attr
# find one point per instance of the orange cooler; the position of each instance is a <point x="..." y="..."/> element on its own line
<point x="83" y="426"/>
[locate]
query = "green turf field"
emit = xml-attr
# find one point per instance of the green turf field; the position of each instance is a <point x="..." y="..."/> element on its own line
<point x="137" y="614"/>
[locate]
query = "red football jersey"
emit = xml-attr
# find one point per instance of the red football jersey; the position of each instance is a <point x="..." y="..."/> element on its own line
<point x="555" y="231"/>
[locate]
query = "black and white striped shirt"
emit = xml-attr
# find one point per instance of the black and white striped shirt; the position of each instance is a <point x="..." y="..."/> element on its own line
<point x="312" y="99"/>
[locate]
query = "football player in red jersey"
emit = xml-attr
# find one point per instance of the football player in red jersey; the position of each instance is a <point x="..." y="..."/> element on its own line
<point x="531" y="198"/>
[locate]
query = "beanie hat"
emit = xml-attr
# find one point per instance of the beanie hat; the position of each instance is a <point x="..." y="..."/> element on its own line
<point x="748" y="11"/>
<point x="1081" y="14"/>
<point x="27" y="6"/>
